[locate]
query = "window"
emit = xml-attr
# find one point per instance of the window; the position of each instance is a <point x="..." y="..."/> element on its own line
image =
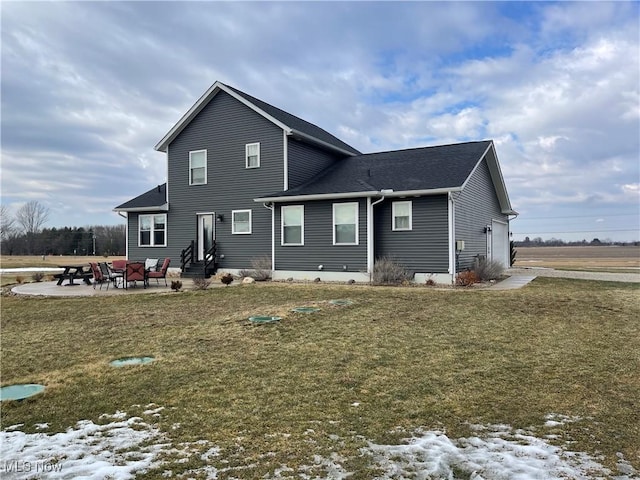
<point x="198" y="167"/>
<point x="401" y="213"/>
<point x="252" y="151"/>
<point x="345" y="223"/>
<point x="293" y="225"/>
<point x="152" y="230"/>
<point x="241" y="222"/>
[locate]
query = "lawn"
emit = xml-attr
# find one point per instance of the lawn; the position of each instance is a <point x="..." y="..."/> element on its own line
<point x="303" y="395"/>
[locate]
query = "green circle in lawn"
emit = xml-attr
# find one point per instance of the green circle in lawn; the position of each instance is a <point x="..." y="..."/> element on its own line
<point x="306" y="309"/>
<point x="340" y="302"/>
<point x="264" y="319"/>
<point x="20" y="391"/>
<point x="126" y="361"/>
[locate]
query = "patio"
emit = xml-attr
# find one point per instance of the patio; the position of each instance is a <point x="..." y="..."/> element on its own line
<point x="51" y="289"/>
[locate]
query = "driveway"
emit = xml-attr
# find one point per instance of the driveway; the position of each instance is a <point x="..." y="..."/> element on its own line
<point x="633" y="277"/>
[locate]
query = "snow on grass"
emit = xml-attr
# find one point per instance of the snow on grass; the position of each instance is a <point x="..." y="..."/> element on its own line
<point x="91" y="451"/>
<point x="127" y="446"/>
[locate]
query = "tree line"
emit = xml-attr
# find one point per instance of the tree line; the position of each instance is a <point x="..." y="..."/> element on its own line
<point x="23" y="234"/>
<point x="557" y="242"/>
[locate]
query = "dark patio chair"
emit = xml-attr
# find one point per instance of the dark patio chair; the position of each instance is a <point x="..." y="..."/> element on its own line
<point x="110" y="274"/>
<point x="135" y="273"/>
<point x="98" y="277"/>
<point x="162" y="273"/>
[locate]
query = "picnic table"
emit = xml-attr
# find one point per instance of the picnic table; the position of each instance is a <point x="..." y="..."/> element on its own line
<point x="72" y="272"/>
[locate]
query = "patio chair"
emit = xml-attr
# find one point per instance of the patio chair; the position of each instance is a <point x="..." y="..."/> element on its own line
<point x="135" y="272"/>
<point x="162" y="273"/>
<point x="119" y="265"/>
<point x="98" y="277"/>
<point x="110" y="274"/>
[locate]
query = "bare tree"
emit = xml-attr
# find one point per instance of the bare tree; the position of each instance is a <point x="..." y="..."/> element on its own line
<point x="7" y="222"/>
<point x="32" y="216"/>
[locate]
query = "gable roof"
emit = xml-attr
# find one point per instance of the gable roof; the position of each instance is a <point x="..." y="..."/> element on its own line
<point x="153" y="200"/>
<point x="291" y="124"/>
<point x="416" y="171"/>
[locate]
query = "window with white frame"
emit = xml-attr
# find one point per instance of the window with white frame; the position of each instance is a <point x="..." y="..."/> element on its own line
<point x="293" y="225"/>
<point x="198" y="167"/>
<point x="401" y="213"/>
<point x="252" y="154"/>
<point x="241" y="222"/>
<point x="345" y="223"/>
<point x="152" y="230"/>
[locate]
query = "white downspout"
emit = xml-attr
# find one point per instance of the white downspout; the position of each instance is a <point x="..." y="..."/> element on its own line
<point x="370" y="234"/>
<point x="452" y="238"/>
<point x="285" y="154"/>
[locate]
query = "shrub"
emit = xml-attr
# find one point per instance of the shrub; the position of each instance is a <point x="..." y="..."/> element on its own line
<point x="466" y="278"/>
<point x="487" y="269"/>
<point x="20" y="279"/>
<point x="261" y="269"/>
<point x="37" y="276"/>
<point x="201" y="283"/>
<point x="388" y="272"/>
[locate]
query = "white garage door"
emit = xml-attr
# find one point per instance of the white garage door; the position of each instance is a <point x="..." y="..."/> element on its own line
<point x="500" y="242"/>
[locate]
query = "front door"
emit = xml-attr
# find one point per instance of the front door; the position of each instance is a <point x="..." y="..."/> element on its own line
<point x="206" y="233"/>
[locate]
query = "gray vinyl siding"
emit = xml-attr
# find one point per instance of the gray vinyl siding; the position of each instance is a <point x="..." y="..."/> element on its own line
<point x="475" y="207"/>
<point x="318" y="248"/>
<point x="305" y="161"/>
<point x="424" y="248"/>
<point x="223" y="128"/>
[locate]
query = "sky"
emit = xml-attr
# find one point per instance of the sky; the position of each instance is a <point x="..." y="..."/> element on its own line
<point x="89" y="88"/>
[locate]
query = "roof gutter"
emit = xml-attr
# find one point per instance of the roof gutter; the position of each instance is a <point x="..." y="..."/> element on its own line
<point x="370" y="193"/>
<point x="157" y="208"/>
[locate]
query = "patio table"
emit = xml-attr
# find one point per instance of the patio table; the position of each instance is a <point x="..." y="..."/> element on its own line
<point x="71" y="272"/>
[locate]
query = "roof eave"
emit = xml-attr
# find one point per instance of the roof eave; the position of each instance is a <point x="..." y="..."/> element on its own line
<point x="371" y="193"/>
<point x="157" y="208"/>
<point x="310" y="139"/>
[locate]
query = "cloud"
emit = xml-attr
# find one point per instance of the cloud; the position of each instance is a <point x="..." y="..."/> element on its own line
<point x="88" y="88"/>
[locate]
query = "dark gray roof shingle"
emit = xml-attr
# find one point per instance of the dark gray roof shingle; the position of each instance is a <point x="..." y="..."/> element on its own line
<point x="296" y="123"/>
<point x="427" y="168"/>
<point x="153" y="199"/>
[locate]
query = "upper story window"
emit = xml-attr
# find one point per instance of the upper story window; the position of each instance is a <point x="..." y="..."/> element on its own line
<point x="252" y="154"/>
<point x="401" y="216"/>
<point x="152" y="230"/>
<point x="345" y="223"/>
<point x="198" y="167"/>
<point x="241" y="222"/>
<point x="292" y="225"/>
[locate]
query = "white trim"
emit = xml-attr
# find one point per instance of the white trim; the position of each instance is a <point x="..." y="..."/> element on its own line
<point x="233" y="222"/>
<point x="285" y="154"/>
<point x="451" y="232"/>
<point x="393" y="216"/>
<point x="282" y="225"/>
<point x="160" y="208"/>
<point x="370" y="245"/>
<point x="333" y="222"/>
<point x="322" y="143"/>
<point x="191" y="168"/>
<point x="151" y="232"/>
<point x="325" y="276"/>
<point x="246" y="155"/>
<point x="368" y="193"/>
<point x="204" y="99"/>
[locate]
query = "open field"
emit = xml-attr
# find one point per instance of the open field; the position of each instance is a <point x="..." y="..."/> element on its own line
<point x="595" y="258"/>
<point x="304" y="396"/>
<point x="35" y="261"/>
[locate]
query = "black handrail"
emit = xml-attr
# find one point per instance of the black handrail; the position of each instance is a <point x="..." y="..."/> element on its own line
<point x="187" y="255"/>
<point x="210" y="257"/>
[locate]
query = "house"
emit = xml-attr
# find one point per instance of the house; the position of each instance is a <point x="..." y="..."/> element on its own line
<point x="248" y="180"/>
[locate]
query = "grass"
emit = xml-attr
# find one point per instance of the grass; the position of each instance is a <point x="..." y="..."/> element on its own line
<point x="410" y="357"/>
